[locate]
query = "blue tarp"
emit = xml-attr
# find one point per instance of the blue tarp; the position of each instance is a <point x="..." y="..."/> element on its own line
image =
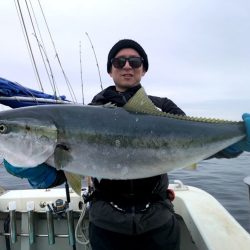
<point x="11" y="89"/>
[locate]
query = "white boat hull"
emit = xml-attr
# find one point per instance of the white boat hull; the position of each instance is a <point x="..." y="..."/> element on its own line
<point x="205" y="223"/>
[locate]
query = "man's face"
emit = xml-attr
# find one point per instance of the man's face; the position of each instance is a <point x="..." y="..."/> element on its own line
<point x="127" y="76"/>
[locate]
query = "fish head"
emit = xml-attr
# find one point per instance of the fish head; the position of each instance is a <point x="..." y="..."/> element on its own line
<point x="27" y="142"/>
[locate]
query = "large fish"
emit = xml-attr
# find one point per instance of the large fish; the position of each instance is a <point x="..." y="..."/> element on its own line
<point x="136" y="141"/>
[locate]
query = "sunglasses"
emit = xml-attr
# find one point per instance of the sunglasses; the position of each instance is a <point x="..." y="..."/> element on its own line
<point x="134" y="62"/>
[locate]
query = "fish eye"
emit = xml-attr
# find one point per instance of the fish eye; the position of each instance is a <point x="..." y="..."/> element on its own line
<point x="3" y="128"/>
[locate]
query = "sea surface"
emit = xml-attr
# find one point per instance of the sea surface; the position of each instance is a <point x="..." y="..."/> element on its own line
<point x="222" y="178"/>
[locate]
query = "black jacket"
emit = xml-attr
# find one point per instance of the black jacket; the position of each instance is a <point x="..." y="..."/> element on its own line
<point x="120" y="192"/>
<point x="140" y="186"/>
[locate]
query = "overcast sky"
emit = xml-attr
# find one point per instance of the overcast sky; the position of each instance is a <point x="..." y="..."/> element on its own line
<point x="198" y="50"/>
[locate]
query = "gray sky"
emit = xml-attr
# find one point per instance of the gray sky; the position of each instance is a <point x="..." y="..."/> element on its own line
<point x="199" y="50"/>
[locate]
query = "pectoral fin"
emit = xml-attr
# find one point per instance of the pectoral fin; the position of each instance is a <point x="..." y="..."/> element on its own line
<point x="63" y="158"/>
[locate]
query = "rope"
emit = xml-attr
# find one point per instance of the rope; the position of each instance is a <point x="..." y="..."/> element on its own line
<point x="81" y="233"/>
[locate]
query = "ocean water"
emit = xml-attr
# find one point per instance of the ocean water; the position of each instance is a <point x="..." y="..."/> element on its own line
<point x="222" y="178"/>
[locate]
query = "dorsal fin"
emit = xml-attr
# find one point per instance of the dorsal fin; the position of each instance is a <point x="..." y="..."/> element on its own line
<point x="140" y="103"/>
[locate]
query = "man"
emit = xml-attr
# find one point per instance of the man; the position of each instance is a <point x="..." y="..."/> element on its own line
<point x="132" y="214"/>
<point x="135" y="214"/>
<point x="129" y="214"/>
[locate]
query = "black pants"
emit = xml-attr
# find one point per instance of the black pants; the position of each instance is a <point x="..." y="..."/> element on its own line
<point x="166" y="237"/>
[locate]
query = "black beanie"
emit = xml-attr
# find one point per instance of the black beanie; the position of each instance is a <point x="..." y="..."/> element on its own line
<point x="124" y="44"/>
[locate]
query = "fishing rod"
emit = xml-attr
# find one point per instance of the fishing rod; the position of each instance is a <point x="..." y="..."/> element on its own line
<point x="50" y="75"/>
<point x="42" y="49"/>
<point x="98" y="68"/>
<point x="26" y="36"/>
<point x="71" y="91"/>
<point x="40" y="44"/>
<point x="80" y="48"/>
